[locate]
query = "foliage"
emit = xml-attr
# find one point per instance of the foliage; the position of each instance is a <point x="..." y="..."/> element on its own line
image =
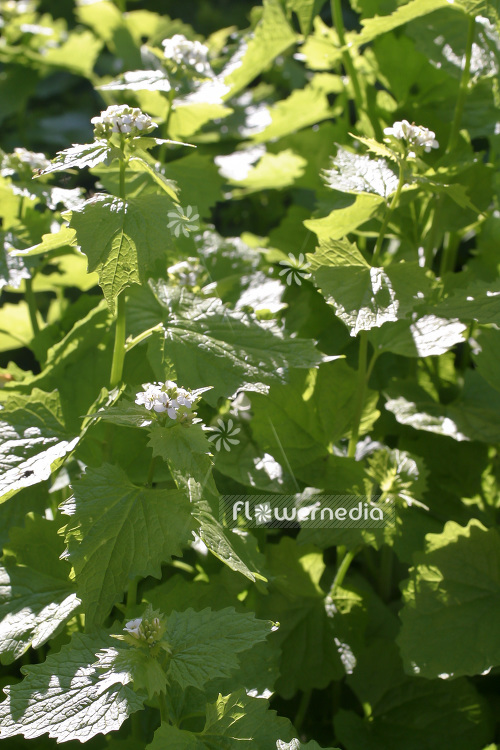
<point x="249" y="278"/>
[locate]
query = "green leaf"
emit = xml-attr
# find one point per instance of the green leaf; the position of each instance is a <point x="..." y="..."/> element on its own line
<point x="33" y="440"/>
<point x="64" y="237"/>
<point x="373" y="27"/>
<point x="185" y="448"/>
<point x="303" y="108"/>
<point x="205" y="644"/>
<point x="311" y="652"/>
<point x="343" y="221"/>
<point x="139" y="80"/>
<point x="132" y="665"/>
<point x="238" y="550"/>
<point x="454" y="593"/>
<point x="80" y="156"/>
<point x="364" y="297"/>
<point x="123" y="239"/>
<point x="305" y="10"/>
<point x="16" y="330"/>
<point x="428" y="336"/>
<point x="357" y="173"/>
<point x="485" y="355"/>
<point x="36" y="596"/>
<point x="479" y="300"/>
<point x="231" y="721"/>
<point x="408" y="713"/>
<point x="64" y="698"/>
<point x="273" y="35"/>
<point x="270" y="172"/>
<point x="473" y="416"/>
<point x="141" y="165"/>
<point x="77" y="54"/>
<point x="77" y="364"/>
<point x="198" y="181"/>
<point x="119" y="531"/>
<point x="303" y="417"/>
<point x="210" y="344"/>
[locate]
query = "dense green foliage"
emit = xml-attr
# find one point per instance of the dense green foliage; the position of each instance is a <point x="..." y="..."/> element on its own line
<point x="269" y="270"/>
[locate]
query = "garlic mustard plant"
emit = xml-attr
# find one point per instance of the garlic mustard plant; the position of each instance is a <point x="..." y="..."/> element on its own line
<point x="187" y="54"/>
<point x="288" y="537"/>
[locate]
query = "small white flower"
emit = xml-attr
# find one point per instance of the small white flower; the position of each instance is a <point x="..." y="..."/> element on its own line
<point x="223" y="436"/>
<point x="192" y="55"/>
<point x="133" y="627"/>
<point x="120" y="118"/>
<point x="414" y="135"/>
<point x="294" y="269"/>
<point x="149" y="396"/>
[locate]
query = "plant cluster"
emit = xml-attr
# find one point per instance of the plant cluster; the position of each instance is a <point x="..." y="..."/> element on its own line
<point x="254" y="267"/>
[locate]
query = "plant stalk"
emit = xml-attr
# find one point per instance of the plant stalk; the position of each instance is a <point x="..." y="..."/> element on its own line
<point x="164" y="713"/>
<point x="388" y="214"/>
<point x="149" y="480"/>
<point x="302" y="710"/>
<point x="462" y="91"/>
<point x="31" y="302"/>
<point x="360" y="394"/>
<point x="119" y="346"/>
<point x="342" y="570"/>
<point x="347" y="60"/>
<point x="132" y="594"/>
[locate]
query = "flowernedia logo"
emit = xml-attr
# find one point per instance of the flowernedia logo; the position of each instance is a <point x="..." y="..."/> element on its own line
<point x="318" y="511"/>
<point x="183" y="219"/>
<point x="295" y="269"/>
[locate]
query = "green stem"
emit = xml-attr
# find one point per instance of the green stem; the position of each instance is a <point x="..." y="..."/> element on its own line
<point x="433" y="238"/>
<point x="346" y="55"/>
<point x="149" y="480"/>
<point x="31" y="301"/>
<point x="449" y="256"/>
<point x="132" y="594"/>
<point x="142" y="336"/>
<point x="342" y="570"/>
<point x="123" y="167"/>
<point x="388" y="214"/>
<point x="462" y="91"/>
<point x="302" y="710"/>
<point x="360" y="394"/>
<point x="119" y="347"/>
<point x="164" y="713"/>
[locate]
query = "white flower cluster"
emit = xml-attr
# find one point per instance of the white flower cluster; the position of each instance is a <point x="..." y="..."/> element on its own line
<point x="414" y="135"/>
<point x="187" y="272"/>
<point x="167" y="397"/>
<point x="21" y="157"/>
<point x="147" y="630"/>
<point x="143" y="630"/>
<point x="189" y="54"/>
<point x="122" y="119"/>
